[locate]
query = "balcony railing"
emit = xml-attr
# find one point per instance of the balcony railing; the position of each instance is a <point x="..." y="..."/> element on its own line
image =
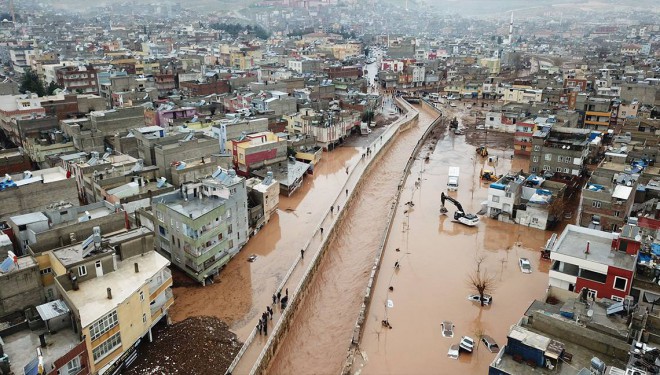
<point x="159" y="309"/>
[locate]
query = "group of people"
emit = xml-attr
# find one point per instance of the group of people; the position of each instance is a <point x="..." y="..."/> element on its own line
<point x="262" y="325"/>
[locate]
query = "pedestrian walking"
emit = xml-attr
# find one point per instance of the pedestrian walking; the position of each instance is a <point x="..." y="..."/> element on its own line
<point x="321" y="231"/>
<point x="265" y="327"/>
<point x="346" y="170"/>
<point x="347" y="192"/>
<point x="332" y="209"/>
<point x="284" y="302"/>
<point x="274" y="298"/>
<point x="337" y="208"/>
<point x="259" y="327"/>
<point x="302" y="253"/>
<point x="279" y="295"/>
<point x="270" y="312"/>
<point x="287" y="292"/>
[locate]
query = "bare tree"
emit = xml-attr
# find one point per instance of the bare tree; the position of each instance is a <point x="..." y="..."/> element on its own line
<point x="480" y="281"/>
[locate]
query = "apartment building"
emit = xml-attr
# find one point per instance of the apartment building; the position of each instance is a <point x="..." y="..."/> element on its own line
<point x="607" y="199"/>
<point x="559" y="149"/>
<point x="203" y="225"/>
<point x="257" y="150"/>
<point x="78" y="79"/>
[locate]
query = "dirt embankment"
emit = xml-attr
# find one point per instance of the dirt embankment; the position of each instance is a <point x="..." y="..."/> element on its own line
<point x="200" y="345"/>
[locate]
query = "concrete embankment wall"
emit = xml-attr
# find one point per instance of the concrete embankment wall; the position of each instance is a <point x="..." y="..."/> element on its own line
<point x="358" y="329"/>
<point x="409" y="117"/>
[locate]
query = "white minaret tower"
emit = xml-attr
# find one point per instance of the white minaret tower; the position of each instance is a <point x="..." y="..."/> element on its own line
<point x="511" y="30"/>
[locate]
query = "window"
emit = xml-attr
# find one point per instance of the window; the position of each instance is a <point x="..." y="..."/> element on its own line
<point x="546" y="167"/>
<point x="162" y="231"/>
<point x="496" y="199"/>
<point x="558" y="170"/>
<point x="620" y="283"/>
<point x="592" y="294"/>
<point x="230" y="229"/>
<point x="560" y="158"/>
<point x="617" y="213"/>
<point x="82" y="270"/>
<point x="535" y="159"/>
<point x="616" y="298"/>
<point x="106" y="347"/>
<point x="492" y="118"/>
<point x="46" y="271"/>
<point x="508" y="195"/>
<point x="533" y="169"/>
<point x="537" y="148"/>
<point x="73" y="366"/>
<point x="548" y="157"/>
<point x="566" y="170"/>
<point x="535" y="220"/>
<point x="228" y="214"/>
<point x="144" y="318"/>
<point x="595" y="204"/>
<point x="141" y="295"/>
<point x="159" y="215"/>
<point x="103" y="325"/>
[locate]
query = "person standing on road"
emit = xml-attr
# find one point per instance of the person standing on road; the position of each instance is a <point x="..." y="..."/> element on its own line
<point x="321" y="231"/>
<point x="274" y="298"/>
<point x="265" y="322"/>
<point x="302" y="253"/>
<point x="279" y="295"/>
<point x="332" y="209"/>
<point x="346" y="170"/>
<point x="347" y="192"/>
<point x="259" y="327"/>
<point x="287" y="292"/>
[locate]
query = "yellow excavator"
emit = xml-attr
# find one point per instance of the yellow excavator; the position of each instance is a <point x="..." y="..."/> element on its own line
<point x="482" y="151"/>
<point x="488" y="175"/>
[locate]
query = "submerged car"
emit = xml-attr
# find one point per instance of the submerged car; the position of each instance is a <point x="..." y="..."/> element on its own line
<point x="447" y="329"/>
<point x="466" y="344"/>
<point x="490" y="343"/>
<point x="488" y="299"/>
<point x="525" y="265"/>
<point x="453" y="351"/>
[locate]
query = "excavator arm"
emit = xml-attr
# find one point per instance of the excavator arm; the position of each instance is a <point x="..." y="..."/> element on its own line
<point x="444" y="197"/>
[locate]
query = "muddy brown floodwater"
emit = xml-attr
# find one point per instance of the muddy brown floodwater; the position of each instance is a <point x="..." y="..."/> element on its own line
<point x="321" y="330"/>
<point x="436" y="257"/>
<point x="243" y="289"/>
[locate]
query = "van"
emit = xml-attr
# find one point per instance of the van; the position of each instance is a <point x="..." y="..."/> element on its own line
<point x="452" y="181"/>
<point x="490" y="343"/>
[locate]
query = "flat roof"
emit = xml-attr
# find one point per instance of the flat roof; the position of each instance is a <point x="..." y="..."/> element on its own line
<point x="195" y="207"/>
<point x="622" y="192"/>
<point x="573" y="243"/>
<point x="91" y="298"/>
<point x="529" y="338"/>
<point x="30" y="218"/>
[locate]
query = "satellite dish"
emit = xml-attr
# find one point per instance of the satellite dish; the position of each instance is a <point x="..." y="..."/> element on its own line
<point x="590" y="313"/>
<point x="638" y="238"/>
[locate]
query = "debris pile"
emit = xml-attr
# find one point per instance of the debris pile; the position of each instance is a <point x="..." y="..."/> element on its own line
<point x="199" y="345"/>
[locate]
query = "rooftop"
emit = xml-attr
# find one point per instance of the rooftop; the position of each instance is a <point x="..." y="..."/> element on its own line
<point x="573" y="243"/>
<point x="91" y="298"/>
<point x="21" y="347"/>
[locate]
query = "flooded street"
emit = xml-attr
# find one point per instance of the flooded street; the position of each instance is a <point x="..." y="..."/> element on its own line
<point x="321" y="330"/>
<point x="243" y="289"/>
<point x="436" y="257"/>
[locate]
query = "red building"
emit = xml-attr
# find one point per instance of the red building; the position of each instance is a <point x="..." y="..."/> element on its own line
<point x="212" y="86"/>
<point x="80" y="79"/>
<point x="602" y="262"/>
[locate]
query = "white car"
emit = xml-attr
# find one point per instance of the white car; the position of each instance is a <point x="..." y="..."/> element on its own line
<point x="467" y="344"/>
<point x="447" y="329"/>
<point x="525" y="265"/>
<point x="488" y="299"/>
<point x="453" y="351"/>
<point x="452" y="104"/>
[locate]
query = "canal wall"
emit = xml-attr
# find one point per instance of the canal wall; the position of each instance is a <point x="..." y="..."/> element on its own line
<point x="358" y="329"/>
<point x="409" y="118"/>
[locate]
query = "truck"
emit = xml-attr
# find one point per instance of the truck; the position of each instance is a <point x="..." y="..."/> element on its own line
<point x="452" y="181"/>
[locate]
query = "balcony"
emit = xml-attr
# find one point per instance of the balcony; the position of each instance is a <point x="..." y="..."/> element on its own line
<point x="159" y="309"/>
<point x="156" y="288"/>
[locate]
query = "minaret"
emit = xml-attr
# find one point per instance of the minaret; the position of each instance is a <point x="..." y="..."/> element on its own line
<point x="511" y="30"/>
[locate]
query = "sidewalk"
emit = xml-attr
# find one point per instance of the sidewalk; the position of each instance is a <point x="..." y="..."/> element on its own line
<point x="253" y="350"/>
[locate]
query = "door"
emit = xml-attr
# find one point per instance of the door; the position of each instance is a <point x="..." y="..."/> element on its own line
<point x="99" y="268"/>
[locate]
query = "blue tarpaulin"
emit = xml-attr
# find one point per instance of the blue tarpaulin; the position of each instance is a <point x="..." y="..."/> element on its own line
<point x="643" y="258"/>
<point x="6" y="265"/>
<point x="655" y="249"/>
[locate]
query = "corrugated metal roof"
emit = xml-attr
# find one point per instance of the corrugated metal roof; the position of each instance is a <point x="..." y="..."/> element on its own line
<point x="52" y="309"/>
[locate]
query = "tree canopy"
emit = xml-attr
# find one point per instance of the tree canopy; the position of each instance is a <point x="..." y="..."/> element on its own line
<point x="234" y="29"/>
<point x="32" y="83"/>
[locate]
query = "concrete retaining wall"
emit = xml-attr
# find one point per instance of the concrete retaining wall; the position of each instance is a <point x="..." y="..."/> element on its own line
<point x="280" y="329"/>
<point x="358" y="330"/>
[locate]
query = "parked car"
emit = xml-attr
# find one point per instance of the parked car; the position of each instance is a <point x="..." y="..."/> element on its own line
<point x="525" y="265"/>
<point x="453" y="351"/>
<point x="466" y="344"/>
<point x="447" y="329"/>
<point x="490" y="343"/>
<point x="452" y="104"/>
<point x="488" y="299"/>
